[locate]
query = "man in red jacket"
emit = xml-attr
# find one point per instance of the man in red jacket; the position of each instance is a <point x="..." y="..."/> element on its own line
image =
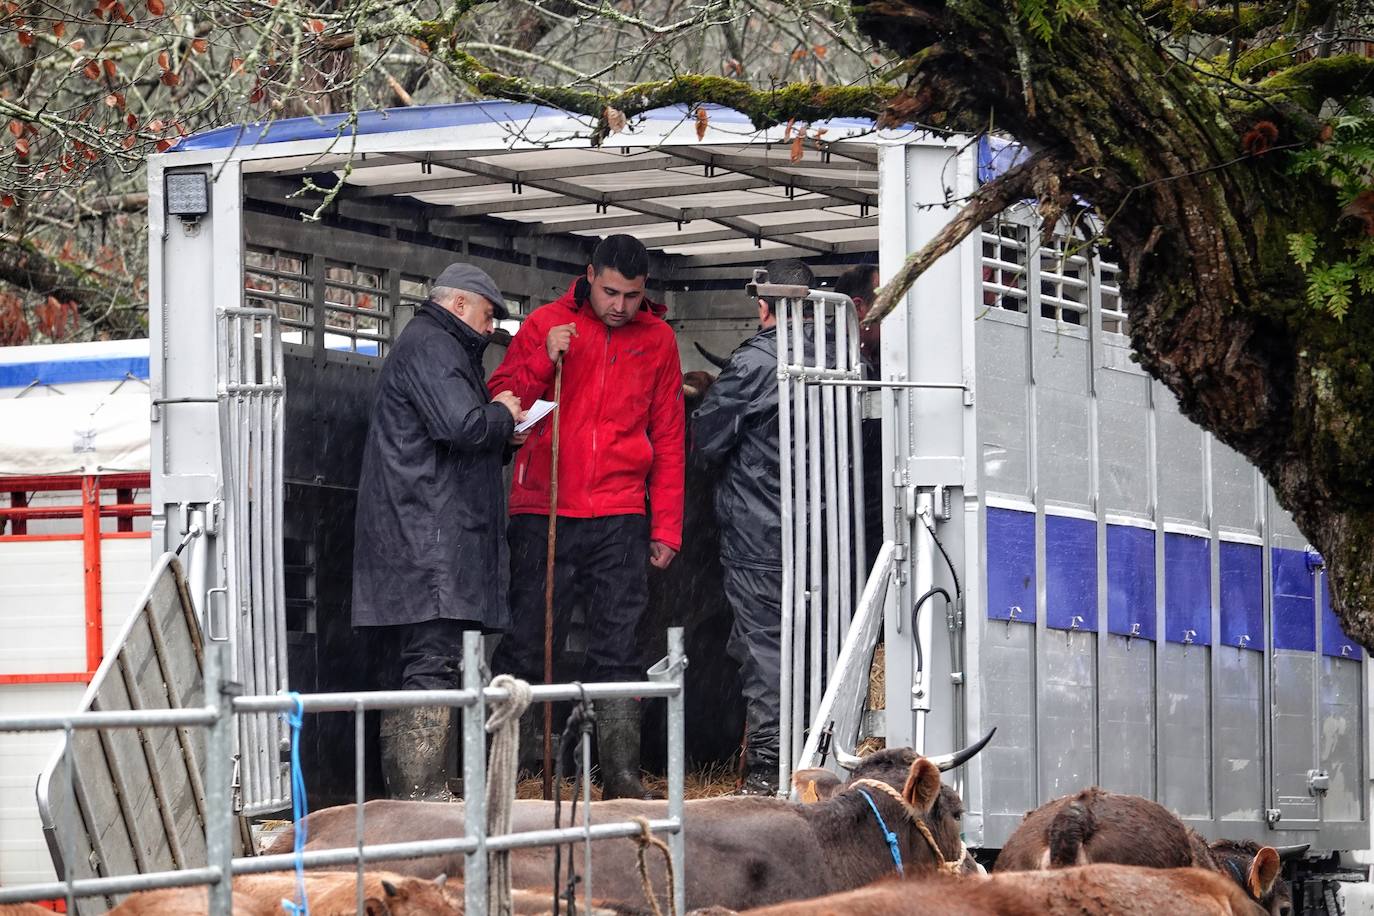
<point x="622" y="432"/>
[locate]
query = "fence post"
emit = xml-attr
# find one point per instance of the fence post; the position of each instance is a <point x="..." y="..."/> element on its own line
<point x="474" y="777"/>
<point x="219" y="776"/>
<point x="677" y="753"/>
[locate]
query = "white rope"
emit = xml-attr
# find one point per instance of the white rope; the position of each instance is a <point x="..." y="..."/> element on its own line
<point x="504" y="726"/>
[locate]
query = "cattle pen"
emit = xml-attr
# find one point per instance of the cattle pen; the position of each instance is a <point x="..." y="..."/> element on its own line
<point x="1064" y="557"/>
<point x="120" y="819"/>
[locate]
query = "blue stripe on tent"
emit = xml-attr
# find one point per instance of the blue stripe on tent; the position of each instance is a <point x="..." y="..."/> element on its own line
<point x="1070" y="573"/>
<point x="1334" y="640"/>
<point x="1187" y="589"/>
<point x="1011" y="564"/>
<point x="1131" y="581"/>
<point x="18" y="375"/>
<point x="430" y="117"/>
<point x="1295" y="623"/>
<point x="1242" y="595"/>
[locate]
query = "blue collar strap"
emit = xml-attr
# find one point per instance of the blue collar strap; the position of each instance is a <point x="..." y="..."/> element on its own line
<point x="887" y="834"/>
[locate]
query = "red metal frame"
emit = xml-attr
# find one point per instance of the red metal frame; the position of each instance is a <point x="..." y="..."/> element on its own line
<point x="90" y="511"/>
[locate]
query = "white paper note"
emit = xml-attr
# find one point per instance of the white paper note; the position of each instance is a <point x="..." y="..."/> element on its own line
<point x="538" y="411"/>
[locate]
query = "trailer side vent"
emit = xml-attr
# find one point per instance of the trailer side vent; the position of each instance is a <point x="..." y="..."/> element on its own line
<point x="357" y="309"/>
<point x="1064" y="281"/>
<point x="278" y="280"/>
<point x="1113" y="312"/>
<point x="1004" y="265"/>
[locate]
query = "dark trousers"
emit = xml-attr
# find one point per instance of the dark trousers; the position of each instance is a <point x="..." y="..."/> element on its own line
<point x="600" y="565"/>
<point x="755" y="642"/>
<point x="428" y="655"/>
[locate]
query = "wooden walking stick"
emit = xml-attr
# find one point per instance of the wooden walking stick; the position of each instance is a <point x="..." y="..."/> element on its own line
<point x="548" y="581"/>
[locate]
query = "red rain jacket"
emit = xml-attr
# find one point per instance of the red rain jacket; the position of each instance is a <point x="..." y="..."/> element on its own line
<point x="622" y="425"/>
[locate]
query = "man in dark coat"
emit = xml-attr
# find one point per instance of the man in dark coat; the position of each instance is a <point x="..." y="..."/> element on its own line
<point x="737" y="427"/>
<point x="430" y="528"/>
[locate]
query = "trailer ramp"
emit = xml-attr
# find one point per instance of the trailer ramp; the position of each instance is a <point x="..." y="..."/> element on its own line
<point x="130" y="800"/>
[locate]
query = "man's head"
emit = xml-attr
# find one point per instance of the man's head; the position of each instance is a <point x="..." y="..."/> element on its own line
<point x="616" y="278"/>
<point x="470" y="295"/>
<point x="787" y="272"/>
<point x="861" y="284"/>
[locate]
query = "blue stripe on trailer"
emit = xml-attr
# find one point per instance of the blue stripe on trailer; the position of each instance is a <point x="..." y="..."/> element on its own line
<point x="1242" y="596"/>
<point x="1295" y="619"/>
<point x="1131" y="581"/>
<point x="1070" y="573"/>
<point x="1011" y="564"/>
<point x="432" y="117"/>
<point x="1334" y="639"/>
<point x="18" y="375"/>
<point x="1187" y="589"/>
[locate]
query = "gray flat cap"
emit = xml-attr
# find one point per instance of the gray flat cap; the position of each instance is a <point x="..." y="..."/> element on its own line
<point x="474" y="280"/>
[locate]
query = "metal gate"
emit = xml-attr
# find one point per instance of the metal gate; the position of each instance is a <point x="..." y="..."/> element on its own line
<point x="250" y="392"/>
<point x="824" y="568"/>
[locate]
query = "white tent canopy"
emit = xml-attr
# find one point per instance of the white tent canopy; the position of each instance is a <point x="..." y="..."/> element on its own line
<point x="74" y="408"/>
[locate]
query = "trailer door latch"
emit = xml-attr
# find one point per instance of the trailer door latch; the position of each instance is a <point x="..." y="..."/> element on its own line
<point x="1318" y="782"/>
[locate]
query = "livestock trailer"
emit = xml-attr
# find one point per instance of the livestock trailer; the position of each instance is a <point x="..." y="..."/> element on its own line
<point x="1115" y="591"/>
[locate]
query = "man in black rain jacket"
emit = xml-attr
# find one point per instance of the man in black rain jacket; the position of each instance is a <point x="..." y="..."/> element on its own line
<point x="737" y="426"/>
<point x="430" y="539"/>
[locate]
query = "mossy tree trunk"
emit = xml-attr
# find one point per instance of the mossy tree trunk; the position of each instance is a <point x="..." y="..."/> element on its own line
<point x="1217" y="308"/>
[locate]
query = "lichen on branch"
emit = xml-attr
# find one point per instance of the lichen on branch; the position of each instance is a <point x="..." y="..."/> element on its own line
<point x="765" y="108"/>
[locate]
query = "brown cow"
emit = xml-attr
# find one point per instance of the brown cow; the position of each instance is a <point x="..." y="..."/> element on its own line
<point x="1089" y="890"/>
<point x="740" y="852"/>
<point x="329" y="894"/>
<point x="1237" y="859"/>
<point x="1100" y="826"/>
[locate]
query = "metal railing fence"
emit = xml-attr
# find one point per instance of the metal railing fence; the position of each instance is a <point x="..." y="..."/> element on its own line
<point x="218" y="717"/>
<point x="824" y="568"/>
<point x="252" y="386"/>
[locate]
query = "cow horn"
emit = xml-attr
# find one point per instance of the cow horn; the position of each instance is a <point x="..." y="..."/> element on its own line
<point x="1291" y="852"/>
<point x="949" y="761"/>
<point x="719" y="362"/>
<point x="845" y="759"/>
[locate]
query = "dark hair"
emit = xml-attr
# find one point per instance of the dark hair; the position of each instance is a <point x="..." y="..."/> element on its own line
<point x="787" y="272"/>
<point x="623" y="253"/>
<point x="856" y="281"/>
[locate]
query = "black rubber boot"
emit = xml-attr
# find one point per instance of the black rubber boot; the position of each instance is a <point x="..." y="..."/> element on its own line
<point x="617" y="748"/>
<point x="415" y="752"/>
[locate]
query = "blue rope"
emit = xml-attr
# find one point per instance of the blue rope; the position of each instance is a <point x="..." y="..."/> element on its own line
<point x="301" y="906"/>
<point x="887" y="834"/>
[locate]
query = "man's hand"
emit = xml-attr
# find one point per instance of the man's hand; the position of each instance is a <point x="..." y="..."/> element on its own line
<point x="518" y="439"/>
<point x="508" y="400"/>
<point x="660" y="554"/>
<point x="560" y="338"/>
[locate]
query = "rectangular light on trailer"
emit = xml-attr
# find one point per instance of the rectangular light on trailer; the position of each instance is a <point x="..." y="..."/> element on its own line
<point x="188" y="194"/>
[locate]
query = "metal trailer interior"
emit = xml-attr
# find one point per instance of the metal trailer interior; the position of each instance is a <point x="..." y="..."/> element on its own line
<point x="516" y="189"/>
<point x="1132" y="609"/>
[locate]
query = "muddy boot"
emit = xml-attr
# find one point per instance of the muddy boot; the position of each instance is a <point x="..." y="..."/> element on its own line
<point x="415" y="751"/>
<point x="617" y="747"/>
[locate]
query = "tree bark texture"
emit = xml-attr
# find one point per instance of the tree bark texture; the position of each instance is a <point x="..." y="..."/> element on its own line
<point x="1217" y="308"/>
